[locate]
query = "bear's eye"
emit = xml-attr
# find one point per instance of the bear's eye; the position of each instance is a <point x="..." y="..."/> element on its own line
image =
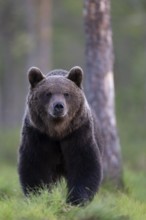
<point x="48" y="94"/>
<point x="66" y="94"/>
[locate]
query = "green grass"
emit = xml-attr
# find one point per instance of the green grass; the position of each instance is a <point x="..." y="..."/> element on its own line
<point x="129" y="204"/>
<point x="9" y="142"/>
<point x="107" y="204"/>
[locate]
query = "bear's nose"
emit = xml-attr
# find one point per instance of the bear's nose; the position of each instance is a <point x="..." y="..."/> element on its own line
<point x="58" y="107"/>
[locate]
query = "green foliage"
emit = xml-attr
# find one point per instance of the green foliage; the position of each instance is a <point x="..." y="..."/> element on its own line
<point x="68" y="34"/>
<point x="9" y="146"/>
<point x="107" y="205"/>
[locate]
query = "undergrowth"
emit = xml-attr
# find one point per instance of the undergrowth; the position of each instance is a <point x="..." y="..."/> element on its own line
<point x="129" y="204"/>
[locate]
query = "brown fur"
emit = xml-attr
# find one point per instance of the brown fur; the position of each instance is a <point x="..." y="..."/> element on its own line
<point x="57" y="85"/>
<point x="60" y="136"/>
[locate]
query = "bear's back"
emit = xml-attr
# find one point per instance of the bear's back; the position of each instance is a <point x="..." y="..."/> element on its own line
<point x="57" y="72"/>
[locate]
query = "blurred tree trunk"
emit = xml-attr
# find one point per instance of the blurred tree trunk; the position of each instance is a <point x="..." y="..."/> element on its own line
<point x="40" y="31"/>
<point x="24" y="38"/>
<point x="100" y="84"/>
<point x="12" y="63"/>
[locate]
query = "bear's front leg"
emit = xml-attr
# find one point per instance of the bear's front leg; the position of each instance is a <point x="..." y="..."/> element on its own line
<point x="83" y="164"/>
<point x="32" y="173"/>
<point x="36" y="158"/>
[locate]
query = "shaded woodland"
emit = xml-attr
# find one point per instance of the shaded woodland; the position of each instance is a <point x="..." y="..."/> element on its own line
<point x="51" y="34"/>
<point x="54" y="30"/>
<point x="32" y="37"/>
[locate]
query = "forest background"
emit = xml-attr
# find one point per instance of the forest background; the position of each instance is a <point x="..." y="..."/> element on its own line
<point x="19" y="50"/>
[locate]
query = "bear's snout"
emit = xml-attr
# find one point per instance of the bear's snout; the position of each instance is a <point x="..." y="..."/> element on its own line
<point x="58" y="108"/>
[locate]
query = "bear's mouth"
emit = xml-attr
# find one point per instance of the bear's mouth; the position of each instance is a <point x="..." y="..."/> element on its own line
<point x="57" y="116"/>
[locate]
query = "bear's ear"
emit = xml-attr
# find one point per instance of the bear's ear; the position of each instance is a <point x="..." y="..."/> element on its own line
<point x="35" y="76"/>
<point x="76" y="75"/>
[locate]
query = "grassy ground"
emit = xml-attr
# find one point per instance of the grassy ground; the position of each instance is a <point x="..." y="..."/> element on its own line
<point x="108" y="204"/>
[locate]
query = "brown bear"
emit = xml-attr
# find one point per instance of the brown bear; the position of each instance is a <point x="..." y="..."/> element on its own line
<point x="60" y="136"/>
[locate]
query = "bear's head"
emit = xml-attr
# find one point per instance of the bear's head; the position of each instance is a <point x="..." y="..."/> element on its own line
<point x="55" y="101"/>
